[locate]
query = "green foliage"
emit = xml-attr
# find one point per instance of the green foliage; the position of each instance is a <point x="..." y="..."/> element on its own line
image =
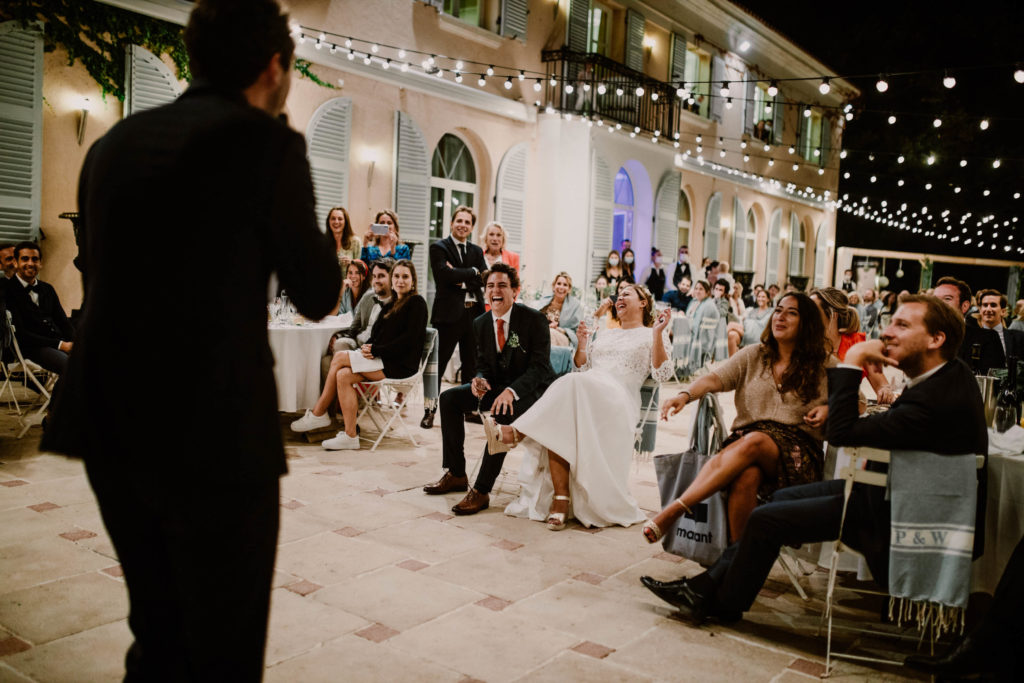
<point x="98" y="35"/>
<point x="303" y="67"/>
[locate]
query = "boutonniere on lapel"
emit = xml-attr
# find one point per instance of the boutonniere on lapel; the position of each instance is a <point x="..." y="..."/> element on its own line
<point x="513" y="341"/>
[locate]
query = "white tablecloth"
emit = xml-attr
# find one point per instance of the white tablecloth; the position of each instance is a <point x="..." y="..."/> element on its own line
<point x="1004" y="520"/>
<point x="297" y="353"/>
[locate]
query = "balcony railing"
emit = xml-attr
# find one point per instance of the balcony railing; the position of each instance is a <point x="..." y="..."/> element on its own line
<point x="579" y="78"/>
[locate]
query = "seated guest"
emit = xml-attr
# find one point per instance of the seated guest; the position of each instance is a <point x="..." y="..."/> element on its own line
<point x="513" y="368"/>
<point x="494" y="247"/>
<point x="654" y="276"/>
<point x="346" y="244"/>
<point x="8" y="264"/>
<point x="393" y="350"/>
<point x="613" y="271"/>
<point x="42" y="329"/>
<point x="957" y="293"/>
<point x="940" y="411"/>
<point x="991" y="305"/>
<point x="563" y="310"/>
<point x="389" y="245"/>
<point x="737" y="300"/>
<point x="579" y="435"/>
<point x="628" y="263"/>
<point x="679" y="298"/>
<point x="748" y="332"/>
<point x="601" y="289"/>
<point x="1018" y="316"/>
<point x="353" y="287"/>
<point x="720" y="296"/>
<point x="773" y="294"/>
<point x="776" y="439"/>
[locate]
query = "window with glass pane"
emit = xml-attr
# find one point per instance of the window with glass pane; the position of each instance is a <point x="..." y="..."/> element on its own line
<point x="810" y="136"/>
<point x="763" y="114"/>
<point x="452" y="182"/>
<point x="751" y="240"/>
<point x="622" y="219"/>
<point x="683" y="222"/>
<point x="467" y="10"/>
<point x="698" y="75"/>
<point x="600" y="26"/>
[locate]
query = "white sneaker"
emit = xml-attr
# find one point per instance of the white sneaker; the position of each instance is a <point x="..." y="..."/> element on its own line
<point x="342" y="442"/>
<point x="309" y="422"/>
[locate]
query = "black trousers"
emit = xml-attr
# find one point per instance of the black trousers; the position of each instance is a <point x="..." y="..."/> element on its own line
<point x="458" y="333"/>
<point x="198" y="566"/>
<point x="797" y="515"/>
<point x="457" y="401"/>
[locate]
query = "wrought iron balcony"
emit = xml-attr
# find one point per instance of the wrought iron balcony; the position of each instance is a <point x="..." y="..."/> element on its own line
<point x="579" y="78"/>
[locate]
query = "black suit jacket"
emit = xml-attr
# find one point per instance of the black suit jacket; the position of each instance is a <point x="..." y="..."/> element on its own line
<point x="224" y="192"/>
<point x="450" y="297"/>
<point x="42" y="325"/>
<point x="1014" y="345"/>
<point x="942" y="414"/>
<point x="524" y="364"/>
<point x="991" y="349"/>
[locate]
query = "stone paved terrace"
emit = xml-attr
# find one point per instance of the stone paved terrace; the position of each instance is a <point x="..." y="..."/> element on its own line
<point x="376" y="581"/>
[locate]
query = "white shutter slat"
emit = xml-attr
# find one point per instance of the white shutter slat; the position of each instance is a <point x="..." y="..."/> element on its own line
<point x="820" y="254"/>
<point x="21" y="126"/>
<point x="713" y="226"/>
<point x="328" y="139"/>
<point x="739" y="236"/>
<point x="774" y="228"/>
<point x="513" y="19"/>
<point x="577" y="27"/>
<point x="511" y="196"/>
<point x="601" y="215"/>
<point x="778" y="119"/>
<point x="412" y="188"/>
<point x="678" y="74"/>
<point x="796" y="252"/>
<point x="717" y="76"/>
<point x="748" y="105"/>
<point x="148" y="81"/>
<point x="825" y="141"/>
<point x="635" y="40"/>
<point x="666" y="221"/>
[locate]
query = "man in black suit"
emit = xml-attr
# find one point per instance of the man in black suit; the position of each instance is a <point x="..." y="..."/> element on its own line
<point x="682" y="266"/>
<point x="457" y="266"/>
<point x="42" y="328"/>
<point x="8" y="264"/>
<point x="187" y="483"/>
<point x="957" y="293"/>
<point x="513" y="348"/>
<point x="940" y="411"/>
<point x="991" y="305"/>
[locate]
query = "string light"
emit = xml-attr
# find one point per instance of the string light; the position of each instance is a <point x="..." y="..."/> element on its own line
<point x="1018" y="74"/>
<point x="508" y="83"/>
<point x="937" y="122"/>
<point x="490" y="71"/>
<point x="996" y="163"/>
<point x="983" y="124"/>
<point x="639" y="91"/>
<point x="728" y="102"/>
<point x="773" y="89"/>
<point x="537" y="86"/>
<point x="949" y="81"/>
<point x="724" y="91"/>
<point x="882" y="85"/>
<point x="522" y="75"/>
<point x="824" y="87"/>
<point x="481" y="81"/>
<point x="601" y="88"/>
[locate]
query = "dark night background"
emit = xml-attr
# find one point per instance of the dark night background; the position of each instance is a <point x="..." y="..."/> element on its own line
<point x="872" y="37"/>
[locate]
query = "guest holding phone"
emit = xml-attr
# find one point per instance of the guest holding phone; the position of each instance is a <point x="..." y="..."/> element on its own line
<point x="389" y="244"/>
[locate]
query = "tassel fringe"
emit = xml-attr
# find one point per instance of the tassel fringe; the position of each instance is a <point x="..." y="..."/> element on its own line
<point x="941" y="619"/>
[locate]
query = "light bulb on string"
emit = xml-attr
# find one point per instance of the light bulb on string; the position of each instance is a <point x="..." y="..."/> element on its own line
<point x="552" y="82"/>
<point x="601" y="88"/>
<point x="366" y="59"/>
<point x="892" y="119"/>
<point x="490" y="71"/>
<point x="767" y="147"/>
<point x="773" y="89"/>
<point x="927" y="186"/>
<point x="792" y="149"/>
<point x="900" y="159"/>
<point x="722" y="153"/>
<point x="508" y="83"/>
<point x="983" y="124"/>
<point x="824" y="87"/>
<point x="405" y="67"/>
<point x="985" y="193"/>
<point x="724" y="90"/>
<point x="618" y="92"/>
<point x="949" y="81"/>
<point x="771" y="162"/>
<point x="882" y="85"/>
<point x="842" y="154"/>
<point x="807" y="112"/>
<point x="586" y="87"/>
<point x="387" y="65"/>
<point x="821" y="171"/>
<point x="401" y="54"/>
<point x="796" y="167"/>
<point x="348" y="43"/>
<point x="433" y="60"/>
<point x="963" y="162"/>
<point x="874" y="179"/>
<point x="459" y="66"/>
<point x="654" y="97"/>
<point x="481" y="81"/>
<point x="746" y="158"/>
<point x="569" y="89"/>
<point x="458" y="77"/>
<point x="996" y="163"/>
<point x="1018" y="74"/>
<point x="351" y="55"/>
<point x="899" y="182"/>
<point x="522" y="75"/>
<point x="440" y="73"/>
<point x="375" y="48"/>
<point x="639" y="91"/>
<point x="937" y="122"/>
<point x="728" y="103"/>
<point x="536" y="85"/>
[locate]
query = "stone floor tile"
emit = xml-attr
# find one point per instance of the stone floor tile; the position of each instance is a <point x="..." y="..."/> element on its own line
<point x="311" y="488"/>
<point x="491" y="646"/>
<point x="505" y="544"/>
<point x="571" y="666"/>
<point x="59" y="608"/>
<point x="495" y="523"/>
<point x="377" y="633"/>
<point x="43" y="507"/>
<point x="396" y="598"/>
<point x="96" y="654"/>
<point x="116" y="571"/>
<point x="348" y="532"/>
<point x="592" y="579"/>
<point x="412" y="565"/>
<point x="44" y="467"/>
<point x="492" y="603"/>
<point x="78" y="534"/>
<point x="438" y="516"/>
<point x="19" y="524"/>
<point x="9" y="675"/>
<point x="328" y="558"/>
<point x="363" y="511"/>
<point x="10" y="645"/>
<point x="428" y="541"/>
<point x="11" y="483"/>
<point x="299" y="524"/>
<point x="589" y="553"/>
<point x="510" y="576"/>
<point x="299" y="624"/>
<point x="44" y="559"/>
<point x="353" y="658"/>
<point x="595" y="650"/>
<point x="588" y="612"/>
<point x="303" y="587"/>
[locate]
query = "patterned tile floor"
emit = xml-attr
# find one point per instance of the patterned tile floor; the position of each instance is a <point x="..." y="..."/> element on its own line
<point x="377" y="580"/>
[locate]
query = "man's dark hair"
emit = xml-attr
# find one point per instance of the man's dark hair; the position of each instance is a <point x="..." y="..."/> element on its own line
<point x="230" y="42"/>
<point x="723" y="284"/>
<point x="499" y="267"/>
<point x="6" y="245"/>
<point x="981" y="295"/>
<point x="384" y="264"/>
<point x="26" y="245"/>
<point x="940" y="317"/>
<point x="965" y="289"/>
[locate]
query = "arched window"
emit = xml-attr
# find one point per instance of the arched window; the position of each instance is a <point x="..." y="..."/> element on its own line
<point x="743" y="238"/>
<point x="622" y="215"/>
<point x="713" y="226"/>
<point x="684" y="221"/>
<point x="797" y="245"/>
<point x="452" y="182"/>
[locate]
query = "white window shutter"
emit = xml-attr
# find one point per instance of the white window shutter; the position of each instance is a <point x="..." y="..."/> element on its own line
<point x="739" y="236"/>
<point x="328" y="139"/>
<point x="601" y="197"/>
<point x="778" y="119"/>
<point x="666" y="220"/>
<point x="820" y="256"/>
<point x="412" y="188"/>
<point x="635" y="40"/>
<point x="771" y="276"/>
<point x="148" y="81"/>
<point x="825" y="142"/>
<point x="678" y="74"/>
<point x="717" y="77"/>
<point x="713" y="226"/>
<point x="578" y="25"/>
<point x="21" y="132"/>
<point x="748" y="105"/>
<point x="513" y="19"/>
<point x="796" y="251"/>
<point x="510" y="201"/>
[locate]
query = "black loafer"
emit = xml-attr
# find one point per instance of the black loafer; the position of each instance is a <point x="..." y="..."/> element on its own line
<point x="653" y="583"/>
<point x="683" y="597"/>
<point x="428" y="418"/>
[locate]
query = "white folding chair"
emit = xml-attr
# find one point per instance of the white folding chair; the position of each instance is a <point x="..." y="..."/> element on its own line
<point x="26" y="371"/>
<point x="646" y="430"/>
<point x="383" y="400"/>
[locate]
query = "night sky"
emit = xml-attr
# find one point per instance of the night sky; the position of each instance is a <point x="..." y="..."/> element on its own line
<point x="969" y="38"/>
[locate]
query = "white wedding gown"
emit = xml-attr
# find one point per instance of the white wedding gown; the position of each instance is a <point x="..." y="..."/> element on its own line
<point x="589" y="418"/>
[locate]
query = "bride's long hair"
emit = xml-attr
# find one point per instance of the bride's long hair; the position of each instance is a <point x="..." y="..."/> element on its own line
<point x="648" y="299"/>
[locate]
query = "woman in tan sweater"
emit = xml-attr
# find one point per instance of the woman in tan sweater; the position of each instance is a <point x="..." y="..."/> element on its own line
<point x="781" y="407"/>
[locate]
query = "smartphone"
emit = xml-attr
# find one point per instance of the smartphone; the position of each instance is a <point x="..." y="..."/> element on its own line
<point x="379" y="229"/>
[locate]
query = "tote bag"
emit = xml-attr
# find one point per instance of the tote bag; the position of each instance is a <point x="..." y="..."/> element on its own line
<point x="703" y="535"/>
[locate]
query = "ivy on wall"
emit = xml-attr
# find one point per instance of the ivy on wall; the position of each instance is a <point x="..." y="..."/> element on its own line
<point x="98" y="36"/>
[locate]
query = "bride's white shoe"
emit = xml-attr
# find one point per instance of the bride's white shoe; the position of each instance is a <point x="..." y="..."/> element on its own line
<point x="556" y="520"/>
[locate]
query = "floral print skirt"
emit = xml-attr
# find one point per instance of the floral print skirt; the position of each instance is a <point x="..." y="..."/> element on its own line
<point x="801" y="459"/>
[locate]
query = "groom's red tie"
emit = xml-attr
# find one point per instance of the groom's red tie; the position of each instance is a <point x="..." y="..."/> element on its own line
<point x="501" y="334"/>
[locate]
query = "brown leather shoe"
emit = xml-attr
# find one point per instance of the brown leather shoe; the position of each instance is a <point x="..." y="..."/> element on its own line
<point x="473" y="503"/>
<point x="446" y="484"/>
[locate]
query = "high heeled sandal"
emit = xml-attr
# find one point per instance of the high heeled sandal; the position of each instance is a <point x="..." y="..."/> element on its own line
<point x="652" y="532"/>
<point x="493" y="431"/>
<point x="556" y="520"/>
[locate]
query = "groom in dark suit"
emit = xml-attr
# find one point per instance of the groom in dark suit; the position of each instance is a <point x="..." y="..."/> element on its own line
<point x="513" y="347"/>
<point x="457" y="266"/>
<point x="43" y="330"/>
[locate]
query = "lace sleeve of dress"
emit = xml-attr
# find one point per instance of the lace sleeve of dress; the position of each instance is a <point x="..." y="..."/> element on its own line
<point x="665" y="371"/>
<point x="590" y="356"/>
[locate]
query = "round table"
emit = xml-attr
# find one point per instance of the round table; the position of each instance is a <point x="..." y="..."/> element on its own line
<point x="297" y="350"/>
<point x="1004" y="520"/>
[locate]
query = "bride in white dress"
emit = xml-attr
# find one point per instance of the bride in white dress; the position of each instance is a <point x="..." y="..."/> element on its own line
<point x="579" y="435"/>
